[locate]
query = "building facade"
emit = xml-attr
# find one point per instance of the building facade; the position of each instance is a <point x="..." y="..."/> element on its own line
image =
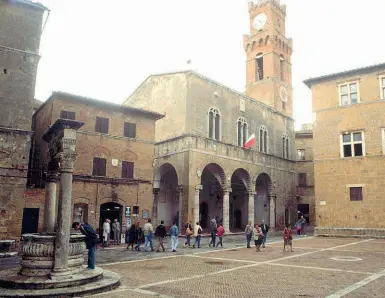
<point x="201" y="168"/>
<point x="21" y="28"/>
<point x="349" y="146"/>
<point x="305" y="173"/>
<point x="114" y="166"/>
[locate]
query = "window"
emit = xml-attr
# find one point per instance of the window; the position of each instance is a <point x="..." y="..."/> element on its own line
<point x="352" y="144"/>
<point x="300" y="154"/>
<point x="259" y="67"/>
<point x="382" y="86"/>
<point x="242" y="131"/>
<point x="283" y="105"/>
<point x="285" y="146"/>
<point x="129" y="130"/>
<point x="263" y="139"/>
<point x="214" y="124"/>
<point x="127" y="169"/>
<point x="355" y="193"/>
<point x="101" y="125"/>
<point x="67" y="115"/>
<point x="302" y="179"/>
<point x="348" y="94"/>
<point x="99" y="167"/>
<point x="281" y="67"/>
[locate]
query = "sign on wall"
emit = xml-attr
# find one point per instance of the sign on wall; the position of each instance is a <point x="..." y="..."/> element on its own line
<point x="128" y="211"/>
<point x="145" y="214"/>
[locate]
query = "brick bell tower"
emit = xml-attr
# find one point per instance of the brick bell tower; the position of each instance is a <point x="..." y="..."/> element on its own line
<point x="268" y="51"/>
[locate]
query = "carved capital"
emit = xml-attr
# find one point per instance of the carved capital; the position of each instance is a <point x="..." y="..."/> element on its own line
<point x="227" y="191"/>
<point x="252" y="193"/>
<point x="67" y="161"/>
<point x="198" y="187"/>
<point x="179" y="188"/>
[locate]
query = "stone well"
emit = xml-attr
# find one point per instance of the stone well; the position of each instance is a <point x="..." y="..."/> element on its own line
<point x="38" y="254"/>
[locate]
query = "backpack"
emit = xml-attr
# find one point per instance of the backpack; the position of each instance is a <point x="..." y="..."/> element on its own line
<point x="199" y="230"/>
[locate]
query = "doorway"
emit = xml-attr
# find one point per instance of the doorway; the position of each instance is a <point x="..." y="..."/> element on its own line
<point x="111" y="211"/>
<point x="30" y="221"/>
<point x="238" y="219"/>
<point x="303" y="210"/>
<point x="203" y="214"/>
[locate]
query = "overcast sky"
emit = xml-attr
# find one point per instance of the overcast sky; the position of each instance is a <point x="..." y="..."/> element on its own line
<point x="105" y="49"/>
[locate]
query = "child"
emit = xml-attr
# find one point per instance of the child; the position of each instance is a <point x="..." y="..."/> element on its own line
<point x="287" y="238"/>
<point x="220" y="232"/>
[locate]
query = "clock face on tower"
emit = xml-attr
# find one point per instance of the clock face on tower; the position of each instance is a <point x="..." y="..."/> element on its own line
<point x="283" y="94"/>
<point x="260" y="21"/>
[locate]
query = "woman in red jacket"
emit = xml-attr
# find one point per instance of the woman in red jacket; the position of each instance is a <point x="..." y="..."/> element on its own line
<point x="220" y="232"/>
<point x="287" y="238"/>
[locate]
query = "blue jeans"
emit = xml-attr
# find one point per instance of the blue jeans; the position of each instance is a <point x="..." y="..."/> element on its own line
<point x="148" y="239"/>
<point x="137" y="245"/>
<point x="248" y="239"/>
<point x="174" y="242"/>
<point x="91" y="257"/>
<point x="264" y="239"/>
<point x="197" y="241"/>
<point x="213" y="238"/>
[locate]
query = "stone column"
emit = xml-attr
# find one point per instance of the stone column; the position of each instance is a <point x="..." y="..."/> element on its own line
<point x="226" y="209"/>
<point x="272" y="212"/>
<point x="180" y="206"/>
<point x="198" y="188"/>
<point x="251" y="207"/>
<point x="155" y="201"/>
<point x="50" y="203"/>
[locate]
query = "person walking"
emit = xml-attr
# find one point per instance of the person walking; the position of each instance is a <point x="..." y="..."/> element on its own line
<point x="265" y="230"/>
<point x="257" y="234"/>
<point x="138" y="236"/>
<point x="287" y="238"/>
<point x="298" y="226"/>
<point x="248" y="233"/>
<point x="131" y="236"/>
<point x="213" y="228"/>
<point x="148" y="229"/>
<point x="220" y="232"/>
<point x="91" y="241"/>
<point x="106" y="232"/>
<point x="189" y="233"/>
<point x="174" y="232"/>
<point x="116" y="231"/>
<point x="160" y="233"/>
<point x="197" y="234"/>
<point x="302" y="222"/>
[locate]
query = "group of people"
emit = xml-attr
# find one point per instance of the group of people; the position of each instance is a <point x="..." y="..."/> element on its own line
<point x="258" y="233"/>
<point x="107" y="228"/>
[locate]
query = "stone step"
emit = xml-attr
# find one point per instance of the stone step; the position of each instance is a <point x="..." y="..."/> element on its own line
<point x="109" y="282"/>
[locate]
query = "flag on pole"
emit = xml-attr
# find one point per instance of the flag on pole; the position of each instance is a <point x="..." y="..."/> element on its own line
<point x="250" y="141"/>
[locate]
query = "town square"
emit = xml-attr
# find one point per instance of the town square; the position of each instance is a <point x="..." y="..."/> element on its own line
<point x="191" y="149"/>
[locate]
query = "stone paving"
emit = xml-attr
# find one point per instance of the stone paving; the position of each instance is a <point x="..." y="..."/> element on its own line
<point x="318" y="267"/>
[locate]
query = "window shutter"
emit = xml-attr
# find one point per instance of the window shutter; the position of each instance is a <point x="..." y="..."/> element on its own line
<point x="127" y="169"/>
<point x="99" y="167"/>
<point x="67" y="115"/>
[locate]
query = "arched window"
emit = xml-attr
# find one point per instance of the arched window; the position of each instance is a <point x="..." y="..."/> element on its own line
<point x="242" y="131"/>
<point x="285" y="146"/>
<point x="214" y="124"/>
<point x="263" y="139"/>
<point x="259" y="67"/>
<point x="282" y="67"/>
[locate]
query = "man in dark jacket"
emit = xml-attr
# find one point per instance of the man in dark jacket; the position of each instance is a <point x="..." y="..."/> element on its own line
<point x="265" y="228"/>
<point x="160" y="233"/>
<point x="91" y="241"/>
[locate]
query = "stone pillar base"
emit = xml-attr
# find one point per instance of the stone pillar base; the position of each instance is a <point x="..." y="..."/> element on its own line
<point x="349" y="232"/>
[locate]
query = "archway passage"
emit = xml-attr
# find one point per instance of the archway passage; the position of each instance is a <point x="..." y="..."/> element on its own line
<point x="213" y="179"/>
<point x="262" y="202"/>
<point x="239" y="197"/>
<point x="166" y="179"/>
<point x="112" y="211"/>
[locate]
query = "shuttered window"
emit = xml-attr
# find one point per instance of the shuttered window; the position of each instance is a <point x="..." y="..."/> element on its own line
<point x="99" y="167"/>
<point x="101" y="125"/>
<point x="127" y="169"/>
<point x="67" y="115"/>
<point x="129" y="130"/>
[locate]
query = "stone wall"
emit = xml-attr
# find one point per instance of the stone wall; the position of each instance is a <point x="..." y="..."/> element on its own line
<point x="14" y="152"/>
<point x="335" y="174"/>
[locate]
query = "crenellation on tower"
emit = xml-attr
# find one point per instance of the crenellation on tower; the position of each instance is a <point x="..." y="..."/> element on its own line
<point x="274" y="3"/>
